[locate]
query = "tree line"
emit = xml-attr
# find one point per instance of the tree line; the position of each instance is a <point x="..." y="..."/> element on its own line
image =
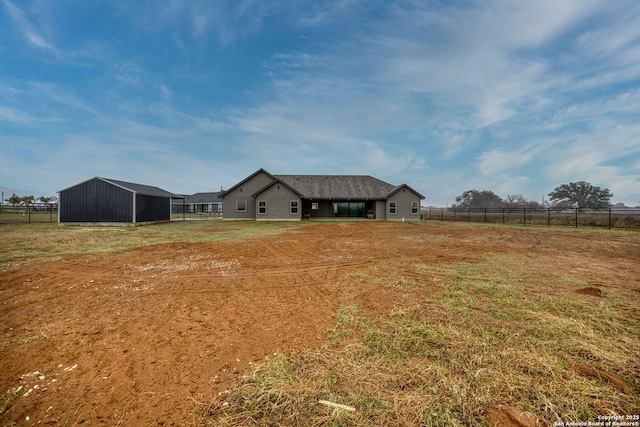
<point x="575" y="195"/>
<point x="27" y="200"/>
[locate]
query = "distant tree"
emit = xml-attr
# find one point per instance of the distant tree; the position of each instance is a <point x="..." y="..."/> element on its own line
<point x="14" y="200"/>
<point x="44" y="199"/>
<point x="27" y="200"/>
<point x="581" y="195"/>
<point x="532" y="204"/>
<point x="515" y="201"/>
<point x="478" y="199"/>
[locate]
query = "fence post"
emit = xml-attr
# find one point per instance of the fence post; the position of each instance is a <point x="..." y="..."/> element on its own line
<point x="29" y="212"/>
<point x="548" y="217"/>
<point x="524" y="216"/>
<point x="576" y="217"/>
<point x="503" y="215"/>
<point x="485" y="215"/>
<point x="609" y="218"/>
<point x="469" y="215"/>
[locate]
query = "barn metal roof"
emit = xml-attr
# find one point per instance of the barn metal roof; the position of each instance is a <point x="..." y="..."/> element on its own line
<point x="146" y="190"/>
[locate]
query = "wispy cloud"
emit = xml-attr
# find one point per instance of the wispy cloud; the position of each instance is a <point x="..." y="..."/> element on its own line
<point x="11" y="115"/>
<point x="227" y="20"/>
<point x="27" y="29"/>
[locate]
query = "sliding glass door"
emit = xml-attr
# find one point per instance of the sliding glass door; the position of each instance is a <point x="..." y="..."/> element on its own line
<point x="349" y="209"/>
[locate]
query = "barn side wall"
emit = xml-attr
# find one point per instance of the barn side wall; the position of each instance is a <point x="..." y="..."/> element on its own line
<point x="95" y="201"/>
<point x="152" y="208"/>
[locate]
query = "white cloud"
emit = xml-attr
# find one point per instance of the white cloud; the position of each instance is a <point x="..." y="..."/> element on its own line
<point x="481" y="62"/>
<point x="26" y="29"/>
<point x="15" y="116"/>
<point x="498" y="161"/>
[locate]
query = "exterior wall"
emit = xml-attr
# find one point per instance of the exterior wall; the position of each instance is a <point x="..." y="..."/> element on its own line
<point x="152" y="208"/>
<point x="325" y="208"/>
<point x="403" y="199"/>
<point x="243" y="193"/>
<point x="278" y="198"/>
<point x="381" y="209"/>
<point x="95" y="201"/>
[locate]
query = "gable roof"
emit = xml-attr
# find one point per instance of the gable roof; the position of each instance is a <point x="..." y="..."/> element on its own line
<point x="142" y="189"/>
<point x="338" y="186"/>
<point x="400" y="187"/>
<point x="274" y="182"/>
<point x="351" y="187"/>
<point x="245" y="180"/>
<point x="146" y="190"/>
<point x="203" y="198"/>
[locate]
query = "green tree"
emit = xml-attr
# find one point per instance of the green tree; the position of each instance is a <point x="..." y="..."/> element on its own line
<point x="28" y="200"/>
<point x="581" y="195"/>
<point x="479" y="199"/>
<point x="14" y="200"/>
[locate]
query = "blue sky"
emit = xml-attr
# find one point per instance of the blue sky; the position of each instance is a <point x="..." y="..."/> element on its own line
<point x="516" y="97"/>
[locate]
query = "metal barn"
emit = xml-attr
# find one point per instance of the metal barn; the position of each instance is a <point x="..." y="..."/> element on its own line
<point x="109" y="201"/>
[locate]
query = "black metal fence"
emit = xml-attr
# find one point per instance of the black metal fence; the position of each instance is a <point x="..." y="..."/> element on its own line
<point x="46" y="213"/>
<point x="605" y="218"/>
<point x="28" y="214"/>
<point x="181" y="211"/>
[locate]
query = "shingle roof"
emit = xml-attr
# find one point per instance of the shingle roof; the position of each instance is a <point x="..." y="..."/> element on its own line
<point x="202" y="198"/>
<point x="142" y="189"/>
<point x="338" y="186"/>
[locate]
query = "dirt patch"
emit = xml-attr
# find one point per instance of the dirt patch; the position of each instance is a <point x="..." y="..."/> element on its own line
<point x="508" y="416"/>
<point x="142" y="336"/>
<point x="615" y="380"/>
<point x="595" y="292"/>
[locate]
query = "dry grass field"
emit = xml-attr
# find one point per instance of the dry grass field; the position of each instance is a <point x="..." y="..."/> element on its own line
<point x="245" y="323"/>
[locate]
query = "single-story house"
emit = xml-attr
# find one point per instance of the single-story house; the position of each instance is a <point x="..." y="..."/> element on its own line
<point x="204" y="203"/>
<point x="199" y="203"/>
<point x="110" y="201"/>
<point x="262" y="196"/>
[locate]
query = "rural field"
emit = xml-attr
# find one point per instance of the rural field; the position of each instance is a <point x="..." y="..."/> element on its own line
<point x="258" y="323"/>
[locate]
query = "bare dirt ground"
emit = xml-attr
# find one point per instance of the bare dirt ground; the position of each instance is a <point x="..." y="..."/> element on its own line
<point x="139" y="337"/>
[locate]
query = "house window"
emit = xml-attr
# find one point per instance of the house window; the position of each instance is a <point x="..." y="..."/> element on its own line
<point x="262" y="207"/>
<point x="392" y="208"/>
<point x="241" y="206"/>
<point x="314" y="206"/>
<point x="414" y="208"/>
<point x="294" y="207"/>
